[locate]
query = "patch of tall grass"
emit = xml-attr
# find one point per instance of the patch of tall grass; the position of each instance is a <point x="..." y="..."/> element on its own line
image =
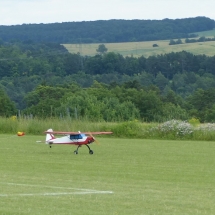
<point x="37" y="126"/>
<point x="8" y="125"/>
<point x="170" y="130"/>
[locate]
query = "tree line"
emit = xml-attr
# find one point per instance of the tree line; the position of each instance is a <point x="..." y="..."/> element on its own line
<point x="44" y="80"/>
<point x="50" y="59"/>
<point x="107" y="31"/>
<point x="187" y="40"/>
<point x="113" y="103"/>
<point x="200" y="39"/>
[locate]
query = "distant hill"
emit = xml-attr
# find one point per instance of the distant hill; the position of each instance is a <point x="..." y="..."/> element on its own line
<point x="109" y="31"/>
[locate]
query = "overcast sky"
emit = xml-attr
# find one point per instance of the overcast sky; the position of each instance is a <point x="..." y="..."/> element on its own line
<point x="13" y="12"/>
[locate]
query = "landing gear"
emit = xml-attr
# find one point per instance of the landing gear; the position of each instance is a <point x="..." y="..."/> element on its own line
<point x="76" y="151"/>
<point x="90" y="151"/>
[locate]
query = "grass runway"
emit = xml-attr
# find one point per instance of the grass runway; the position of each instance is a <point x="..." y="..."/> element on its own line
<point x="123" y="176"/>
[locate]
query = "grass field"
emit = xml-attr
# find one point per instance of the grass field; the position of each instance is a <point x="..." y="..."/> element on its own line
<point x="145" y="49"/>
<point x="210" y="33"/>
<point x="124" y="176"/>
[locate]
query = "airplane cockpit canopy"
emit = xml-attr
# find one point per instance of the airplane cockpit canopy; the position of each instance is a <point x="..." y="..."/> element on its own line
<point x="76" y="136"/>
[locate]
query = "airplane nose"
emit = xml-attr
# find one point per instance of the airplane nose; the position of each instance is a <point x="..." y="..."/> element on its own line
<point x="91" y="140"/>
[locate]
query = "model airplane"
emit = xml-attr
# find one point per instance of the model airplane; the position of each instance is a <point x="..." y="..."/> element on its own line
<point x="72" y="138"/>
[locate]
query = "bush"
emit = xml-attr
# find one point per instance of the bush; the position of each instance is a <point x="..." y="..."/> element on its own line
<point x="131" y="129"/>
<point x="205" y="132"/>
<point x="173" y="129"/>
<point x="194" y="121"/>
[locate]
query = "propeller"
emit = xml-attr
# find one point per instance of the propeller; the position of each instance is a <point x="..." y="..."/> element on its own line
<point x="96" y="141"/>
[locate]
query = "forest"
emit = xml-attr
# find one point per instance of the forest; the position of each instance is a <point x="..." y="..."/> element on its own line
<point x="44" y="80"/>
<point x="107" y="31"/>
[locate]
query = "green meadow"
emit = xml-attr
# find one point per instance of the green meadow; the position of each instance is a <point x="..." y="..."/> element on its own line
<point x="146" y="48"/>
<point x="123" y="176"/>
<point x="210" y="33"/>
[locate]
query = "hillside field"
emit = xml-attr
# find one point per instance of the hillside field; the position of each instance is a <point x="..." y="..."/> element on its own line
<point x="146" y="49"/>
<point x="124" y="176"/>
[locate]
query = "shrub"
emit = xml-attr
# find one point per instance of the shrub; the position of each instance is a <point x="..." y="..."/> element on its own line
<point x="205" y="132"/>
<point x="128" y="129"/>
<point x="173" y="129"/>
<point x="194" y="121"/>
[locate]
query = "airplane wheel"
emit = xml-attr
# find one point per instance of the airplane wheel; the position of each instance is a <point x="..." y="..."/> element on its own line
<point x="75" y="152"/>
<point x="91" y="152"/>
<point x="50" y="146"/>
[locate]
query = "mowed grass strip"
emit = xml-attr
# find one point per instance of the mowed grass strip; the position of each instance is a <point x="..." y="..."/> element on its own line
<point x="145" y="176"/>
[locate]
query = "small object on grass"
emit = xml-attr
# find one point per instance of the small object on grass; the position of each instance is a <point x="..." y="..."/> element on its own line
<point x="20" y="133"/>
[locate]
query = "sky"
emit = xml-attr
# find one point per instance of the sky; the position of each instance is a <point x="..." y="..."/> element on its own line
<point x="17" y="12"/>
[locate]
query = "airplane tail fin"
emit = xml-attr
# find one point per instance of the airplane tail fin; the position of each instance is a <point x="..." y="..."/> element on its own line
<point x="49" y="136"/>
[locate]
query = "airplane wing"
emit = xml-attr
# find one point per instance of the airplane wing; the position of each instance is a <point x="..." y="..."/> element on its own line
<point x="75" y="133"/>
<point x="98" y="132"/>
